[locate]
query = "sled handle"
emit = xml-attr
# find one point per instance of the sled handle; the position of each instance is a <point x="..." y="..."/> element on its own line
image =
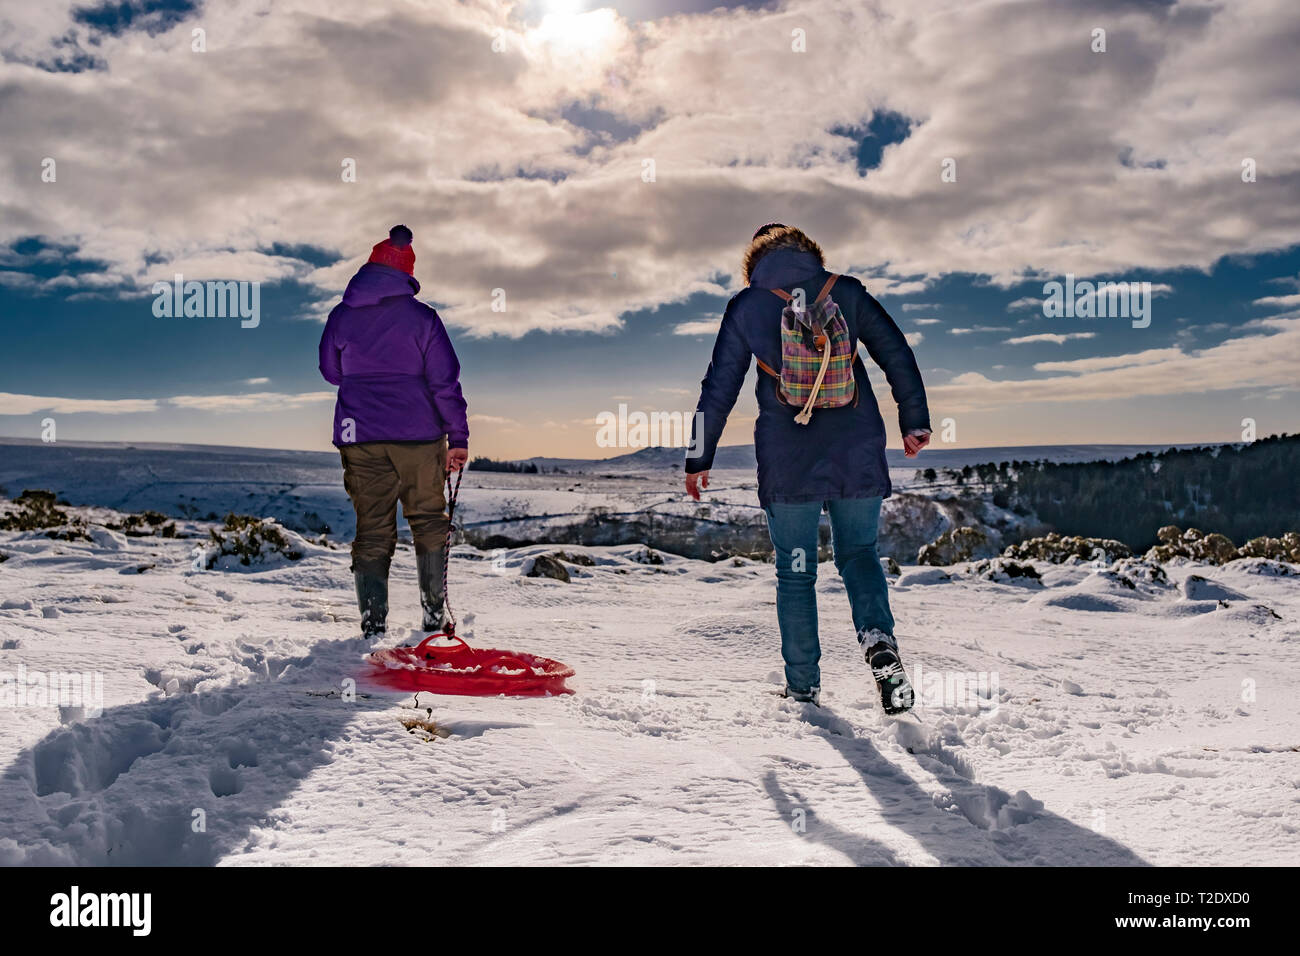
<point x="420" y="648"/>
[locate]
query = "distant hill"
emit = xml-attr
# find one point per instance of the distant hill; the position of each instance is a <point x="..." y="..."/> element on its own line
<point x="936" y="456"/>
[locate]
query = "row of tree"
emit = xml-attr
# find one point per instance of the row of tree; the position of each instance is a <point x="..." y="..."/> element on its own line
<point x="1240" y="491"/>
<point x="514" y="467"/>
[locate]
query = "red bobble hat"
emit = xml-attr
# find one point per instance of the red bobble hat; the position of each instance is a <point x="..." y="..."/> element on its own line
<point x="396" y="251"/>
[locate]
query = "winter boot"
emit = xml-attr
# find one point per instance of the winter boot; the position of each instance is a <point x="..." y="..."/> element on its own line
<point x="430" y="568"/>
<point x="811" y="696"/>
<point x="372" y="600"/>
<point x="881" y="651"/>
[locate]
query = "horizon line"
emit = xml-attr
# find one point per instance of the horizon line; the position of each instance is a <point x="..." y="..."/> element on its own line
<point x="164" y="445"/>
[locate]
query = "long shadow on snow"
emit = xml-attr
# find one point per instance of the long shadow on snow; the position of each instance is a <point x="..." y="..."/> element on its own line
<point x="124" y="788"/>
<point x="973" y="824"/>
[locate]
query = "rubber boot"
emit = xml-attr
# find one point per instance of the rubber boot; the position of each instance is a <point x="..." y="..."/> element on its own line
<point x="430" y="569"/>
<point x="372" y="600"/>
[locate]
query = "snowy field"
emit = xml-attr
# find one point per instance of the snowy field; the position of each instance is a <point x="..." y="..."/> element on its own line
<point x="304" y="490"/>
<point x="1112" y="720"/>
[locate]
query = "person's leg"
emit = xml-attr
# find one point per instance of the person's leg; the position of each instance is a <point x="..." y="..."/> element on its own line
<point x="854" y="526"/>
<point x="422" y="469"/>
<point x="372" y="485"/>
<point x="793" y="530"/>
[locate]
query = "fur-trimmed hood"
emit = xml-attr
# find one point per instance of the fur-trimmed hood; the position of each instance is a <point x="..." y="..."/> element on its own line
<point x="779" y="237"/>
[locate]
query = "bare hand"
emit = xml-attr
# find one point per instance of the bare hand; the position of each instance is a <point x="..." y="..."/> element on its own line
<point x="456" y="458"/>
<point x="696" y="482"/>
<point x="914" y="443"/>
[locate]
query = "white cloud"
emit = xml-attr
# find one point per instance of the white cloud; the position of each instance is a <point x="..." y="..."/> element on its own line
<point x="1279" y="301"/>
<point x="698" y="327"/>
<point x="1097" y="363"/>
<point x="440" y="127"/>
<point x="251" y="401"/>
<point x="11" y="404"/>
<point x="979" y="328"/>
<point x="1058" y="338"/>
<point x="1250" y="361"/>
<point x="914" y="338"/>
<point x="495" y="421"/>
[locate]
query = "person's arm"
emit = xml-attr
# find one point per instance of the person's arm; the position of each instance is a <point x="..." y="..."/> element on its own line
<point x="442" y="375"/>
<point x="718" y="393"/>
<point x="888" y="348"/>
<point x="331" y="362"/>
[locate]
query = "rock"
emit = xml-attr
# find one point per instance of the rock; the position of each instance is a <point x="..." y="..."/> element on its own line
<point x="1003" y="570"/>
<point x="584" y="560"/>
<point x="953" y="547"/>
<point x="548" y="566"/>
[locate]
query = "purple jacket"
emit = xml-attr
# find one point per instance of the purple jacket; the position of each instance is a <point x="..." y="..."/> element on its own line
<point x="398" y="376"/>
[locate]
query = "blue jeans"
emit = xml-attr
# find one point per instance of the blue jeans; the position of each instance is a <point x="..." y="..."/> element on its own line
<point x="793" y="529"/>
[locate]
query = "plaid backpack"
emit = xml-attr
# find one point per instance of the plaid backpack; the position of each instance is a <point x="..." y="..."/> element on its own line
<point x="817" y="355"/>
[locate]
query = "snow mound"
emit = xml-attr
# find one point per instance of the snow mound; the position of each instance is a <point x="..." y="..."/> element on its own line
<point x="107" y="540"/>
<point x="1263" y="566"/>
<point x="923" y="576"/>
<point x="1198" y="588"/>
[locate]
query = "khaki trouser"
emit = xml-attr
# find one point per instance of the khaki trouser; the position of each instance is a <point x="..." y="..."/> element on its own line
<point x="379" y="474"/>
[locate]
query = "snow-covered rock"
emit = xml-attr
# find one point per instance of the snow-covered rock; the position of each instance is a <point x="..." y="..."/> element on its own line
<point x="1197" y="588"/>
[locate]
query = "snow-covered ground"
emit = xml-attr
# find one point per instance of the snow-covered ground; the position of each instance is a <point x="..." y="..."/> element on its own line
<point x="304" y="490"/>
<point x="1101" y="722"/>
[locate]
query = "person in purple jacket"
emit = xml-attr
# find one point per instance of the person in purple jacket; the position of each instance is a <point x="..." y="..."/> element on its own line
<point x="400" y="424"/>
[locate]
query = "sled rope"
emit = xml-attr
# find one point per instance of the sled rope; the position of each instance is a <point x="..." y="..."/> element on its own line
<point x="453" y="490"/>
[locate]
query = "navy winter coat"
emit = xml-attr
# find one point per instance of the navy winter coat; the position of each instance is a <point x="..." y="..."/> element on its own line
<point x="841" y="452"/>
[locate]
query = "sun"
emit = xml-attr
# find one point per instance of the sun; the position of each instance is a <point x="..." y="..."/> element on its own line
<point x="566" y="25"/>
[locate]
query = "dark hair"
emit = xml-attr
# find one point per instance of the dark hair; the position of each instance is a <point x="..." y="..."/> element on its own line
<point x="400" y="236"/>
<point x="764" y="230"/>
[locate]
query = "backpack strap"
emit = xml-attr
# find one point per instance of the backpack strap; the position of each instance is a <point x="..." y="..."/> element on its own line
<point x="786" y="296"/>
<point x="826" y="290"/>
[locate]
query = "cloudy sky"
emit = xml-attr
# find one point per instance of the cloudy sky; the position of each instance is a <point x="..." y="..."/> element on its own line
<point x="604" y="167"/>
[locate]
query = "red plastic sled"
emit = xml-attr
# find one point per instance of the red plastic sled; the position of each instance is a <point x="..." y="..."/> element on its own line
<point x="467" y="671"/>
